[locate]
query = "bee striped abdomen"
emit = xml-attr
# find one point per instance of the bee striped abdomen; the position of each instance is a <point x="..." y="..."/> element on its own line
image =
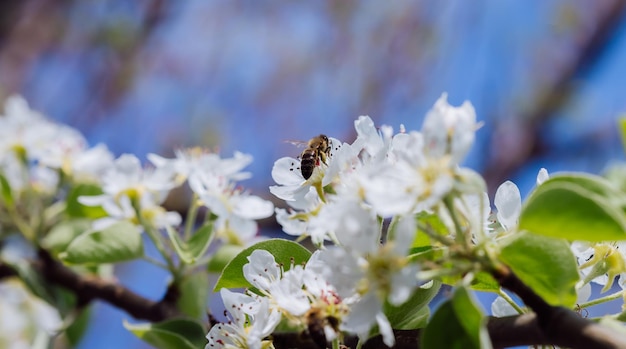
<point x="308" y="163"/>
<point x="317" y="151"/>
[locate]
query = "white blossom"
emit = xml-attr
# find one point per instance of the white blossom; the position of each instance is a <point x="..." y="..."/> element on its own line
<point x="251" y="320"/>
<point x="508" y="202"/>
<point x="449" y="130"/>
<point x="23" y="317"/>
<point x="128" y="189"/>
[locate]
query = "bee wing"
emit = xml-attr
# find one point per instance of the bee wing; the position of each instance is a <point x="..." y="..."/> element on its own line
<point x="299" y="144"/>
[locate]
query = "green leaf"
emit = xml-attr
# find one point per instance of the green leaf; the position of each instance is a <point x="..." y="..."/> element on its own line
<point x="76" y="209"/>
<point x="77" y="329"/>
<point x="546" y="265"/>
<point x="616" y="175"/>
<point x="284" y="252"/>
<point x="575" y="207"/>
<point x="485" y="282"/>
<point x="222" y="256"/>
<point x="458" y="323"/>
<point x="193" y="298"/>
<point x="190" y="251"/>
<point x="414" y="312"/>
<point x="171" y="334"/>
<point x="5" y="191"/>
<point x="62" y="234"/>
<point x="117" y="243"/>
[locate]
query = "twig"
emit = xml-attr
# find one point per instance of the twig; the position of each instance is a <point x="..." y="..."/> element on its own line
<point x="554" y="325"/>
<point x="89" y="288"/>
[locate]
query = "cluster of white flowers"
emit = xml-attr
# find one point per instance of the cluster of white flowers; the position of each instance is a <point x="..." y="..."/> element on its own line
<point x="348" y="198"/>
<point x="24" y="317"/>
<point x="43" y="160"/>
<point x="34" y="149"/>
<point x="37" y="153"/>
<point x="213" y="180"/>
<point x="380" y="175"/>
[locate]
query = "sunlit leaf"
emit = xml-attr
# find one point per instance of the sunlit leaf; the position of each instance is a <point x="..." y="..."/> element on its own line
<point x="78" y="210"/>
<point x="172" y="334"/>
<point x="284" y="251"/>
<point x="117" y="243"/>
<point x="457" y="323"/>
<point x="411" y="314"/>
<point x="575" y="207"/>
<point x="546" y="265"/>
<point x="194" y="290"/>
<point x="61" y="235"/>
<point x="190" y="251"/>
<point x="221" y="257"/>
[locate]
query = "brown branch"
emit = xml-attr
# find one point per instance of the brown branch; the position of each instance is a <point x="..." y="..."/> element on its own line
<point x="512" y="331"/>
<point x="549" y="325"/>
<point x="552" y="325"/>
<point x="89" y="288"/>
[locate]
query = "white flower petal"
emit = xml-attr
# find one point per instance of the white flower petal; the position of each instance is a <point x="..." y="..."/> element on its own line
<point x="508" y="201"/>
<point x="384" y="327"/>
<point x="501" y="307"/>
<point x="289" y="295"/>
<point x="252" y="207"/>
<point x="362" y="315"/>
<point x="285" y="172"/>
<point x="261" y="270"/>
<point x="542" y="176"/>
<point x="584" y="293"/>
<point x="449" y="129"/>
<point x="290" y="225"/>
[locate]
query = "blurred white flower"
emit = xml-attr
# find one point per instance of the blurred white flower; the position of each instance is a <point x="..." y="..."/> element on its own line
<point x="32" y="147"/>
<point x="128" y="189"/>
<point x="236" y="211"/>
<point x="216" y="172"/>
<point x="449" y="130"/>
<point x="23" y="317"/>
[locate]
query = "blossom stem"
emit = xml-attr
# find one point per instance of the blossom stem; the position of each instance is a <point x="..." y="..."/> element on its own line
<point x="391" y="229"/>
<point x="601" y="300"/>
<point x="154" y="236"/>
<point x="21" y="224"/>
<point x="480" y="229"/>
<point x="510" y="300"/>
<point x="460" y="237"/>
<point x="432" y="234"/>
<point x="320" y="191"/>
<point x="192" y="213"/>
<point x="155" y="262"/>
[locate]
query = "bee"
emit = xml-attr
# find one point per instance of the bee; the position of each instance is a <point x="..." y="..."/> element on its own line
<point x="316" y="322"/>
<point x="317" y="151"/>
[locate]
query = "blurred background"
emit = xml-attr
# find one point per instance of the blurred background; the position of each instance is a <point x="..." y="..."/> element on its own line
<point x="545" y="77"/>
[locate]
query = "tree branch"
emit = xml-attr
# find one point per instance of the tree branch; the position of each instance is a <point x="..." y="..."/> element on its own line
<point x="89" y="288"/>
<point x="551" y="325"/>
